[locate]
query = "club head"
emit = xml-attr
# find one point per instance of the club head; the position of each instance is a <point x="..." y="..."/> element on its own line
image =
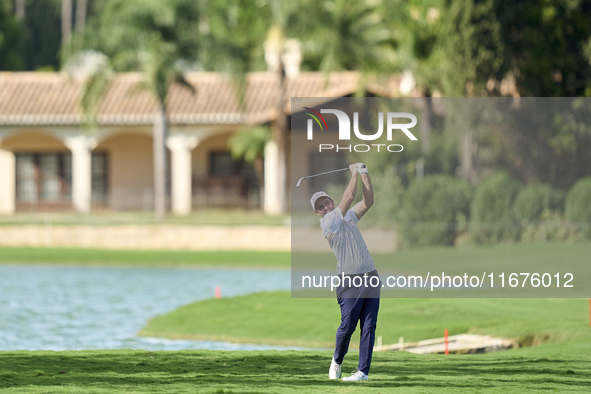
<point x="300" y="181"/>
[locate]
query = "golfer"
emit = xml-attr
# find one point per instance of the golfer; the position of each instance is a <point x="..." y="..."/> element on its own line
<point x="354" y="266"/>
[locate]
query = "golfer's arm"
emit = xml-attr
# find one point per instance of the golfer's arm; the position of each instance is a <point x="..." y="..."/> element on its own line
<point x="349" y="195"/>
<point x="363" y="206"/>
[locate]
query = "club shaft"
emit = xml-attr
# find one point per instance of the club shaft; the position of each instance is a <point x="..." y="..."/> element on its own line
<point x="324" y="173"/>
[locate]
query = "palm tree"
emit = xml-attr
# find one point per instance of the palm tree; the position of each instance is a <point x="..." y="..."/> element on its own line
<point x="345" y="35"/>
<point x="20" y="9"/>
<point x="417" y="24"/>
<point x="336" y="35"/>
<point x="274" y="52"/>
<point x="249" y="144"/>
<point x="80" y="15"/>
<point x="150" y="36"/>
<point x="66" y="20"/>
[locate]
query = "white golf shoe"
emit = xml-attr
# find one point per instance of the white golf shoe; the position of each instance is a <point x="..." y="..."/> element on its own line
<point x="356" y="377"/>
<point x="335" y="370"/>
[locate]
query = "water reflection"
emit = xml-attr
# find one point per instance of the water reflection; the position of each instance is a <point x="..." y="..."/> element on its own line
<point x="74" y="308"/>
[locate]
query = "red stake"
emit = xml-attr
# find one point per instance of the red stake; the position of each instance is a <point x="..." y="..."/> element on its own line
<point x="218" y="292"/>
<point x="447" y="342"/>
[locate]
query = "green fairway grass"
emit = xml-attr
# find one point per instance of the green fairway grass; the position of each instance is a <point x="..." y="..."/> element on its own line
<point x="132" y="371"/>
<point x="490" y="257"/>
<point x="277" y="319"/>
<point x="254" y="259"/>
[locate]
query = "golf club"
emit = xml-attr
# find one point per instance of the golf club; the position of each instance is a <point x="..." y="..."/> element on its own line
<point x="324" y="173"/>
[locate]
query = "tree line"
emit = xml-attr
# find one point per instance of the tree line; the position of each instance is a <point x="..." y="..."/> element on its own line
<point x="541" y="49"/>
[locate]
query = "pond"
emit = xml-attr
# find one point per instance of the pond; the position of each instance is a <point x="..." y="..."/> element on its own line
<point x="76" y="308"/>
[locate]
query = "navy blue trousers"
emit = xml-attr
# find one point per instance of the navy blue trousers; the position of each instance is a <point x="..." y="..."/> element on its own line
<point x="364" y="311"/>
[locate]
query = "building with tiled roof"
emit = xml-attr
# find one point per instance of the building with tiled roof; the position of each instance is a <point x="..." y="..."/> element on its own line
<point x="49" y="160"/>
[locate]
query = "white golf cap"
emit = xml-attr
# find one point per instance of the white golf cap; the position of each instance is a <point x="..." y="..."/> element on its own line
<point x="316" y="196"/>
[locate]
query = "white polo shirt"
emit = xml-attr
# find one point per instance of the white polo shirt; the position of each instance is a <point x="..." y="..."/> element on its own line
<point x="346" y="242"/>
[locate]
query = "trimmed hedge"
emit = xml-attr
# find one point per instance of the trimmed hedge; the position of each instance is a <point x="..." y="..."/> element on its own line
<point x="492" y="214"/>
<point x="577" y="207"/>
<point x="531" y="201"/>
<point x="434" y="208"/>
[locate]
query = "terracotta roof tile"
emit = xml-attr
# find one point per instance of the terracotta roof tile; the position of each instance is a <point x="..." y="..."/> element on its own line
<point x="52" y="98"/>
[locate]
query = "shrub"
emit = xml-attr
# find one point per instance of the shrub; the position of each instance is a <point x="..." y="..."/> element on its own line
<point x="434" y="208"/>
<point x="532" y="200"/>
<point x="577" y="207"/>
<point x="551" y="227"/>
<point x="492" y="210"/>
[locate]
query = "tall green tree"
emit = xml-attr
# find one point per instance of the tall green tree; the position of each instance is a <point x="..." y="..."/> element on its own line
<point x="81" y="9"/>
<point x="11" y="39"/>
<point x="471" y="38"/>
<point x="42" y="35"/>
<point x="234" y="32"/>
<point x="157" y="38"/>
<point x="66" y="20"/>
<point x="544" y="46"/>
<point x="342" y="35"/>
<point x="248" y="32"/>
<point x="526" y="48"/>
<point x="20" y="9"/>
<point x="541" y="44"/>
<point x="335" y="35"/>
<point x="415" y="26"/>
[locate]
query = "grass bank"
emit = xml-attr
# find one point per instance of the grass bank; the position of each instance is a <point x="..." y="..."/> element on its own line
<point x="277" y="319"/>
<point x="543" y="255"/>
<point x="130" y="371"/>
<point x="144" y="258"/>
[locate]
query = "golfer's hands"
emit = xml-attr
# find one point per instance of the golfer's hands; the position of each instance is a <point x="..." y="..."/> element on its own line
<point x="353" y="169"/>
<point x="361" y="168"/>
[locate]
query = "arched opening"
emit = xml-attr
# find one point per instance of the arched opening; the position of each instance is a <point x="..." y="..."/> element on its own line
<point x="220" y="181"/>
<point x="43" y="172"/>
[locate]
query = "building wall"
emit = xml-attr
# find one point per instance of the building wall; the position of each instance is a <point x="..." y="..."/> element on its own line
<point x="149" y="237"/>
<point x="33" y="141"/>
<point x="7" y="182"/>
<point x="131" y="175"/>
<point x="130" y="157"/>
<point x="183" y="237"/>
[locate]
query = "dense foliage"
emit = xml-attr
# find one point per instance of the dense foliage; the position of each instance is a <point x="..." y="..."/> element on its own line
<point x="11" y="39"/>
<point x="531" y="201"/>
<point x="434" y="207"/>
<point x="492" y="210"/>
<point x="578" y="203"/>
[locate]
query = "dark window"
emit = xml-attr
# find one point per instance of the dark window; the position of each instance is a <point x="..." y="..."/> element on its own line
<point x="100" y="182"/>
<point x="45" y="179"/>
<point x="26" y="178"/>
<point x="224" y="165"/>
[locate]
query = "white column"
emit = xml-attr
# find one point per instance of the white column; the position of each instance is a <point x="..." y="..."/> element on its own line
<point x="274" y="192"/>
<point x="181" y="173"/>
<point x="7" y="182"/>
<point x="81" y="147"/>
